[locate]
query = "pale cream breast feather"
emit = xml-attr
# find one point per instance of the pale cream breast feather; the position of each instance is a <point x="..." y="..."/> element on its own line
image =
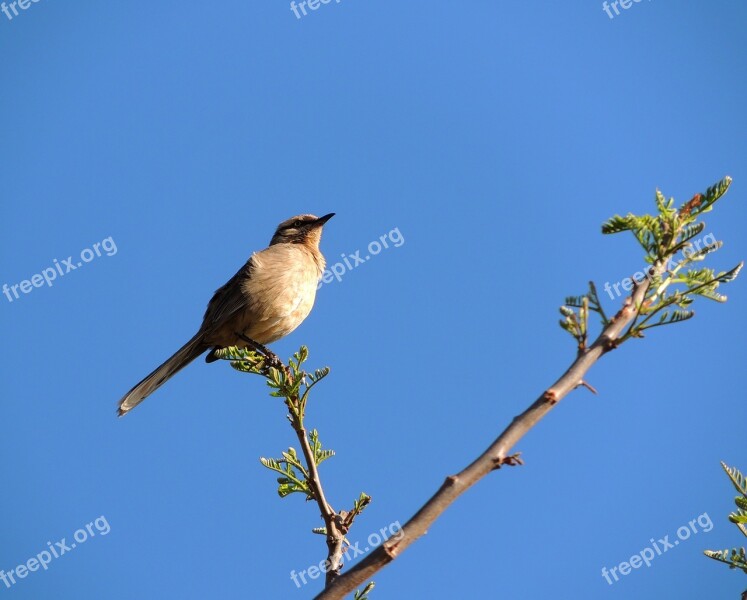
<point x="281" y="289"/>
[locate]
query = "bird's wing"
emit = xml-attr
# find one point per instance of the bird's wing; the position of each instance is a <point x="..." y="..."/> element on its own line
<point x="228" y="299"/>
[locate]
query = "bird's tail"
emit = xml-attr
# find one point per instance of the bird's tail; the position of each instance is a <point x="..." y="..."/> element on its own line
<point x="185" y="355"/>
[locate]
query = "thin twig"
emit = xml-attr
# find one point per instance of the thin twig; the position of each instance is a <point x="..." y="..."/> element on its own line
<point x="296" y="407"/>
<point x="335" y="538"/>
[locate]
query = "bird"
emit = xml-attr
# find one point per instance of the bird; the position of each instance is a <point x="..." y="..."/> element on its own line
<point x="265" y="300"/>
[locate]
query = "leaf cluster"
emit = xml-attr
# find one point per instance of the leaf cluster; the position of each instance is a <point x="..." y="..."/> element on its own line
<point x="294" y="476"/>
<point x="672" y="285"/>
<point x="736" y="558"/>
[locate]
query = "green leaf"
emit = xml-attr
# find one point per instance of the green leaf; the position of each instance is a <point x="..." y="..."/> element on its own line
<point x="697" y="255"/>
<point x="362" y="502"/>
<point x="319" y="374"/>
<point x="736" y="558"/>
<point x="320" y="455"/>
<point x="691" y="230"/>
<point x="618" y="224"/>
<point x="575" y="301"/>
<point x="703" y="203"/>
<point x="662" y="204"/>
<point x="595" y="304"/>
<point x="290" y="481"/>
<point x="363" y="594"/>
<point x="675" y="317"/>
<point x="286" y="489"/>
<point x="302" y="355"/>
<point x="270" y="463"/>
<point x="729" y="276"/>
<point x="567" y="312"/>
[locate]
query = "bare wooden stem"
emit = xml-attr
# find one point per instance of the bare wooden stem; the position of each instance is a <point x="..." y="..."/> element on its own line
<point x="495" y="456"/>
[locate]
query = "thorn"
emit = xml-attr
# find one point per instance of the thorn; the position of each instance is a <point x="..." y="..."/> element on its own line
<point x="391" y="551"/>
<point x="628" y="307"/>
<point x="611" y="344"/>
<point x="622" y="312"/>
<point x="514" y="460"/>
<point x="588" y="386"/>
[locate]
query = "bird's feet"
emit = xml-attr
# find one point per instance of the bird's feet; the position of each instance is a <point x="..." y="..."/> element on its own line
<point x="271" y="359"/>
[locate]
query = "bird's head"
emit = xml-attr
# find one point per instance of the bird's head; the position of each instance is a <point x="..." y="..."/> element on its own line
<point x="301" y="229"/>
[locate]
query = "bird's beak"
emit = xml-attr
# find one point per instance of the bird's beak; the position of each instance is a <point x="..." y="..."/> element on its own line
<point x="322" y="220"/>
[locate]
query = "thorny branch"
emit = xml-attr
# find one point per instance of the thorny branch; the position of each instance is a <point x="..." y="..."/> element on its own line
<point x="496" y="455"/>
<point x="290" y="383"/>
<point x="661" y="236"/>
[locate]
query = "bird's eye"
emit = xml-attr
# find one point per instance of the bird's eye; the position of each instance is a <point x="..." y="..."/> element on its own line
<point x="298" y="224"/>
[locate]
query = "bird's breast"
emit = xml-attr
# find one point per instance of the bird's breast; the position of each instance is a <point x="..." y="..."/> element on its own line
<point x="281" y="291"/>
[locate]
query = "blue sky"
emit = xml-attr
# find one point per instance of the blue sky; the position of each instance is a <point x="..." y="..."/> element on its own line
<point x="495" y="138"/>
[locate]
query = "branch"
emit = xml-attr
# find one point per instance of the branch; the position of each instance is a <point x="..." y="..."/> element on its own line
<point x="293" y="384"/>
<point x="496" y="455"/>
<point x="335" y="537"/>
<point x="661" y="236"/>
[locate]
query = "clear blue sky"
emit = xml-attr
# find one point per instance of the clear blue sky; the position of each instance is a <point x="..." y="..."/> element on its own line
<point x="496" y="137"/>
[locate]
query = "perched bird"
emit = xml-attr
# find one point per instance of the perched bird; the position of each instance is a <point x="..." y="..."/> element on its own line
<point x="268" y="298"/>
